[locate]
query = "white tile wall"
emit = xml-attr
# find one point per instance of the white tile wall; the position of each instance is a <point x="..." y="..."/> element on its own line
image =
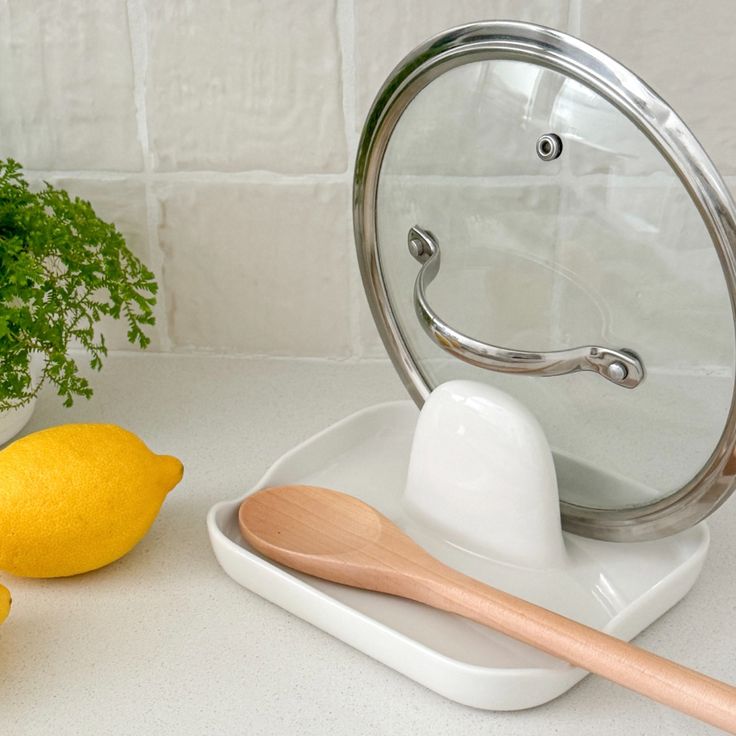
<point x="237" y="86"/>
<point x="66" y="85"/>
<point x="257" y="268"/>
<point x="220" y="136"/>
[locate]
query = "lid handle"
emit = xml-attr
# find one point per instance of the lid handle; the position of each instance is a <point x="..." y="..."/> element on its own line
<point x="622" y="367"/>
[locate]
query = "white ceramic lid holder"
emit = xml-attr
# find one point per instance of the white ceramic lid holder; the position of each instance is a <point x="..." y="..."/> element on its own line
<point x="481" y="475"/>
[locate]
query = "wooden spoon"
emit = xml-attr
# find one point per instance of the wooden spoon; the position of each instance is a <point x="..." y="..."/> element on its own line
<point x="337" y="537"/>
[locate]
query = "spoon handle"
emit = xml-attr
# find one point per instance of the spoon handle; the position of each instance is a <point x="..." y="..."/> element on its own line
<point x="658" y="678"/>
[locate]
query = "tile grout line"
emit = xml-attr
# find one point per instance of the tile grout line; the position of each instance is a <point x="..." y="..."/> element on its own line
<point x="254" y="176"/>
<point x="346" y="38"/>
<point x="138" y="31"/>
<point x="216" y="353"/>
<point x="262" y="177"/>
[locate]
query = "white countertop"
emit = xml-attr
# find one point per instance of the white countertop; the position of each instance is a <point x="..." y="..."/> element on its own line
<point x="163" y="642"/>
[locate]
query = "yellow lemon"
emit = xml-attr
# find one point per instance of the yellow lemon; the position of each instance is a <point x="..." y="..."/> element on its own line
<point x="4" y="603"/>
<point x="76" y="497"/>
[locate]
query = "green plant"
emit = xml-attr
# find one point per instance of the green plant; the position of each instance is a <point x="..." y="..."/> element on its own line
<point x="61" y="270"/>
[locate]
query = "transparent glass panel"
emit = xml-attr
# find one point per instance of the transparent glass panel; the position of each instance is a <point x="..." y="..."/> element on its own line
<point x="602" y="246"/>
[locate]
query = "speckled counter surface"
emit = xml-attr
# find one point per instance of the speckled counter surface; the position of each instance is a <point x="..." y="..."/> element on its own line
<point x="163" y="642"/>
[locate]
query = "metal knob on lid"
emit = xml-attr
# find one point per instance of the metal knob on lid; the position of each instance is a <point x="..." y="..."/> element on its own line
<point x="585" y="236"/>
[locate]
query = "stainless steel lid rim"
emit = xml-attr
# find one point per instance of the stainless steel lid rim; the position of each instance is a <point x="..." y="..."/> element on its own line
<point x="653" y="117"/>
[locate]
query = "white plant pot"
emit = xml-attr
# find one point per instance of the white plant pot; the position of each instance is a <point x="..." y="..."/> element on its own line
<point x="12" y="421"/>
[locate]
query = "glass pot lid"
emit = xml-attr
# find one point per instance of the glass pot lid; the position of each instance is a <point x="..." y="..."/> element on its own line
<point x="530" y="214"/>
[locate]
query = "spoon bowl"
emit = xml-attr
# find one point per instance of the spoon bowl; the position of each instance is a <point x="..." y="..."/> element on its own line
<point x="308" y="521"/>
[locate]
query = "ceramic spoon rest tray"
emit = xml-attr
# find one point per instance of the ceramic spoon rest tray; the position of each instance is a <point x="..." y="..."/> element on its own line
<point x="618" y="588"/>
<point x="550" y="259"/>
